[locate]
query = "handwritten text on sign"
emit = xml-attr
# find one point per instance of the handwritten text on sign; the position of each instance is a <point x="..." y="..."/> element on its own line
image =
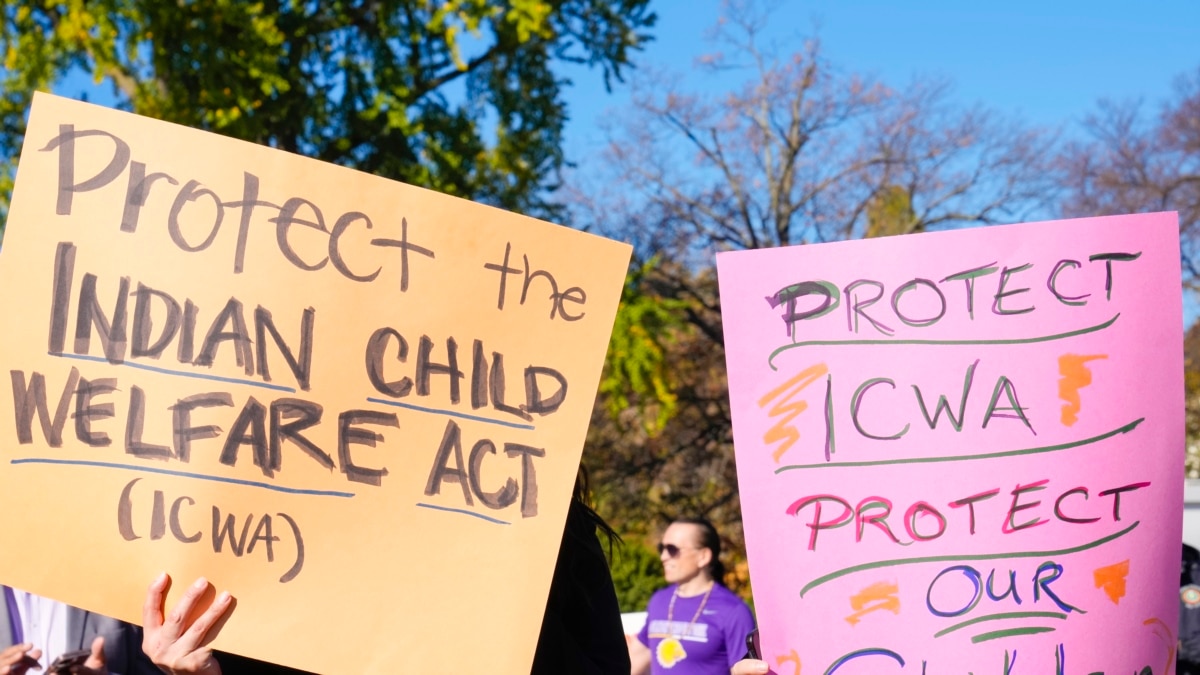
<point x="961" y="452"/>
<point x="357" y="405"/>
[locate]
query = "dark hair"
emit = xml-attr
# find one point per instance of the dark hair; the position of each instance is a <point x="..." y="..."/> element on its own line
<point x="581" y="498"/>
<point x="710" y="540"/>
<point x="581" y="626"/>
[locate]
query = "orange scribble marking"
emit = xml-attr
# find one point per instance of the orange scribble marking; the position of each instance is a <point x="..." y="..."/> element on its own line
<point x="1075" y="376"/>
<point x="787" y="408"/>
<point x="1112" y="580"/>
<point x="786" y="658"/>
<point x="1163" y="633"/>
<point x="882" y="593"/>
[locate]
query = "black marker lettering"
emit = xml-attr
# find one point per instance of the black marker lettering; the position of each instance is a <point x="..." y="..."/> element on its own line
<point x="349" y="434"/>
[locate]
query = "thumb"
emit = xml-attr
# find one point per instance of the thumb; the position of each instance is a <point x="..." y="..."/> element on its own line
<point x="96" y="660"/>
<point x="750" y="667"/>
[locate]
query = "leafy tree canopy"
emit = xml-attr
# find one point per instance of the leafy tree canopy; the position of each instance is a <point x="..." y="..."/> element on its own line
<point x="1136" y="161"/>
<point x="637" y="572"/>
<point x="462" y="96"/>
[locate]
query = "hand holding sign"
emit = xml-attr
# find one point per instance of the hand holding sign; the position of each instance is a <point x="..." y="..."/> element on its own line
<point x="178" y="641"/>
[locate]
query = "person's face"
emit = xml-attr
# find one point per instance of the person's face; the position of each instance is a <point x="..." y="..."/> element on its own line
<point x="689" y="559"/>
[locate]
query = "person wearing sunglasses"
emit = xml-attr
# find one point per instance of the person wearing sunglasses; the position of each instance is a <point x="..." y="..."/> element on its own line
<point x="694" y="626"/>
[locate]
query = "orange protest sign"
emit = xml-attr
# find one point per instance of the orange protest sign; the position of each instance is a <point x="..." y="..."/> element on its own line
<point x="357" y="405"/>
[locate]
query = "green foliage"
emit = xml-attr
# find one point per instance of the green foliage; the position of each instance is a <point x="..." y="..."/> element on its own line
<point x="459" y="96"/>
<point x="643" y="481"/>
<point x="1191" y="384"/>
<point x="637" y="373"/>
<point x="637" y="572"/>
<point x="890" y="212"/>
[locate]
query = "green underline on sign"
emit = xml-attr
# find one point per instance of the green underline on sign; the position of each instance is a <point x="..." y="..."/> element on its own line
<point x="996" y="635"/>
<point x="1124" y="429"/>
<point x="896" y="562"/>
<point x="1000" y="617"/>
<point x="997" y="341"/>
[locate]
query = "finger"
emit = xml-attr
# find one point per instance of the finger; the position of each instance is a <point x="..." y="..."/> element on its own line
<point x="173" y="624"/>
<point x="28" y="660"/>
<point x="198" y="634"/>
<point x="96" y="660"/>
<point x="152" y="608"/>
<point x="13" y="654"/>
<point x="14" y="660"/>
<point x="750" y="667"/>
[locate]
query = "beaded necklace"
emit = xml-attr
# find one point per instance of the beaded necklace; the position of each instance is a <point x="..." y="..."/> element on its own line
<point x="670" y="651"/>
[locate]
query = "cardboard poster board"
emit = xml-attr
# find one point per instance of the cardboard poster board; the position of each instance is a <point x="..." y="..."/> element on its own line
<point x="357" y="405"/>
<point x="962" y="451"/>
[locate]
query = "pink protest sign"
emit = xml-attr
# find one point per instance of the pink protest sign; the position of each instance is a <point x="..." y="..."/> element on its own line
<point x="962" y="451"/>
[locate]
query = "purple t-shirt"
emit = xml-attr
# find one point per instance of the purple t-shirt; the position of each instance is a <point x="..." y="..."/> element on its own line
<point x="711" y="645"/>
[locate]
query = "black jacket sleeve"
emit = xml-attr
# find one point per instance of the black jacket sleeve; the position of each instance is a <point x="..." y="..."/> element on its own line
<point x="581" y="630"/>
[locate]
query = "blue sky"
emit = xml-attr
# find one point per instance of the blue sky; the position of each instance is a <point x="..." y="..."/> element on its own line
<point x="1048" y="62"/>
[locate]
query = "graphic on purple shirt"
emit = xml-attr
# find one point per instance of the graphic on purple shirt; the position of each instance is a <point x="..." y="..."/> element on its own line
<point x="711" y="645"/>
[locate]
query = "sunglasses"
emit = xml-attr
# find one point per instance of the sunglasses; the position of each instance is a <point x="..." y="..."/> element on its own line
<point x="671" y="549"/>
